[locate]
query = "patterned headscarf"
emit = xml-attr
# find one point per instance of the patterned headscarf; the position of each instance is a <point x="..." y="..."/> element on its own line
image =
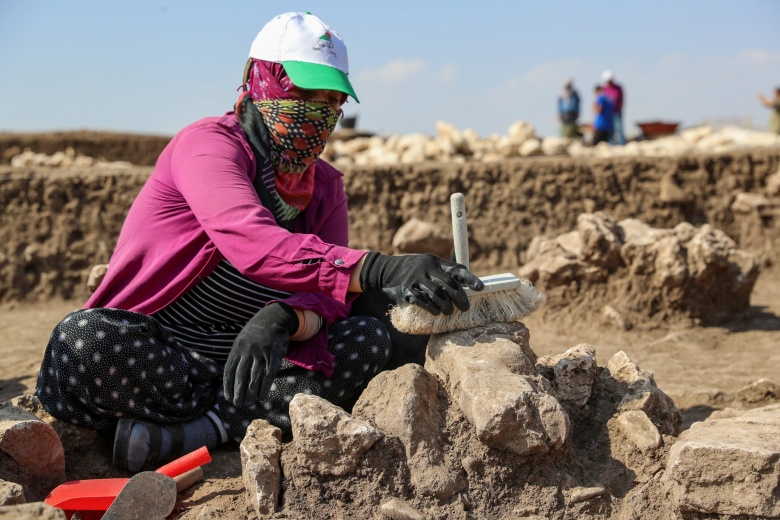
<point x="294" y="146"/>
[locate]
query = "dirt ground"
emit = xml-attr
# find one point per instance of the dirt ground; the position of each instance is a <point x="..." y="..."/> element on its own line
<point x="701" y="368"/>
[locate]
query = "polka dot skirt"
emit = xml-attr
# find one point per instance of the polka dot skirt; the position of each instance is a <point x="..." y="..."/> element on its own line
<point x="104" y="364"/>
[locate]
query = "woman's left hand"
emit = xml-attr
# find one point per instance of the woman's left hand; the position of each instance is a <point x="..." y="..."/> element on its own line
<point x="257" y="354"/>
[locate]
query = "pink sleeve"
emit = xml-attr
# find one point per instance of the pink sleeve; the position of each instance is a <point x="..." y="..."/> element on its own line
<point x="210" y="169"/>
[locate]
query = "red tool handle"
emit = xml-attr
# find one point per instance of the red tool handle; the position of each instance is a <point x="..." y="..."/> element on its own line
<point x="184" y="464"/>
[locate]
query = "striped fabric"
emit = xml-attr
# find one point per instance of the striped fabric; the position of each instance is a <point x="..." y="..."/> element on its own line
<point x="210" y="315"/>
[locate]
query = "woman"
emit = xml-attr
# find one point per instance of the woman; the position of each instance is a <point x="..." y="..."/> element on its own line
<point x="231" y="284"/>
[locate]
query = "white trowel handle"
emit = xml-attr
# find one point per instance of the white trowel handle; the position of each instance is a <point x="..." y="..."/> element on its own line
<point x="459" y="233"/>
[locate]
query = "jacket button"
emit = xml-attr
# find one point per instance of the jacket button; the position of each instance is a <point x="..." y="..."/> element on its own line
<point x="338" y="261"/>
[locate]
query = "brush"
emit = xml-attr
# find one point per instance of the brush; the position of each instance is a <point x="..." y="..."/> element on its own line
<point x="505" y="298"/>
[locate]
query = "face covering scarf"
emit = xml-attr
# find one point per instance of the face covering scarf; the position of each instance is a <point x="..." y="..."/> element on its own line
<point x="298" y="131"/>
<point x="267" y="81"/>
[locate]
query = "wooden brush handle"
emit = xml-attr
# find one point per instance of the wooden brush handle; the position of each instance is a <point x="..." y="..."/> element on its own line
<point x="460" y="234"/>
<point x="187" y="479"/>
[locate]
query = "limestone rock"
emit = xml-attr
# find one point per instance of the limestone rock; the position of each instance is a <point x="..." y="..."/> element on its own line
<point x="31" y="454"/>
<point x="488" y="372"/>
<point x="416" y="236"/>
<point x="758" y="393"/>
<point x="640" y="392"/>
<point x="397" y="509"/>
<point x="573" y="374"/>
<point x="260" y="452"/>
<point x="32" y="511"/>
<point x="327" y="440"/>
<point x="11" y="493"/>
<point x="405" y="403"/>
<point x="729" y="466"/>
<point x="636" y="427"/>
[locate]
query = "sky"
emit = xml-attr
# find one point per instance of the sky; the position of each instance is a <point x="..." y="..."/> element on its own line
<point x="154" y="66"/>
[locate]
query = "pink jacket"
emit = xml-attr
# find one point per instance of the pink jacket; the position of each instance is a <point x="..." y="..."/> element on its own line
<point x="199" y="206"/>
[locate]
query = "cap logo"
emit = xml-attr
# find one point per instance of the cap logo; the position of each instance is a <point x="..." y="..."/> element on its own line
<point x="325" y="44"/>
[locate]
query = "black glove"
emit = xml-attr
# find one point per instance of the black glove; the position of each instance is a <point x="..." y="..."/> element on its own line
<point x="427" y="281"/>
<point x="257" y="354"/>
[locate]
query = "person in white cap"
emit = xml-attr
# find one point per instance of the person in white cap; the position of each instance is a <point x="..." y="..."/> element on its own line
<point x="232" y="287"/>
<point x="615" y="92"/>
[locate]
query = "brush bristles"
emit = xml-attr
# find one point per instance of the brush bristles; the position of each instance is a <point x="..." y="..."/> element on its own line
<point x="495" y="307"/>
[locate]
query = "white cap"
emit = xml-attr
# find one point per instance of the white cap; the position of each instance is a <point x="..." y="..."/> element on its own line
<point x="607" y="75"/>
<point x="313" y="55"/>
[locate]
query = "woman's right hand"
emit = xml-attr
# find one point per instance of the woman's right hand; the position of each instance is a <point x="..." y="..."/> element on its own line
<point x="430" y="282"/>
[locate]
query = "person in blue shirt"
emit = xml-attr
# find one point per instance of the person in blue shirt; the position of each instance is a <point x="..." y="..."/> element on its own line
<point x="604" y="109"/>
<point x="569" y="109"/>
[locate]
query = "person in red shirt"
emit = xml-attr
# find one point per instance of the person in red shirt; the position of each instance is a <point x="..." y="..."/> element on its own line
<point x="615" y="92"/>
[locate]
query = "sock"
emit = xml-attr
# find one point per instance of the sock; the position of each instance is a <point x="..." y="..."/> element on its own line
<point x="198" y="432"/>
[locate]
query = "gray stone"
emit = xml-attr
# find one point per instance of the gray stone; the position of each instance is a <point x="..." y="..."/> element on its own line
<point x="729" y="466"/>
<point x="483" y="371"/>
<point x="405" y="403"/>
<point x="261" y="450"/>
<point x="326" y="439"/>
<point x="11" y="493"/>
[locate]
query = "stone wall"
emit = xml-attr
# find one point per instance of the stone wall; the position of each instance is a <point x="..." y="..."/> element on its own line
<point x="57" y="223"/>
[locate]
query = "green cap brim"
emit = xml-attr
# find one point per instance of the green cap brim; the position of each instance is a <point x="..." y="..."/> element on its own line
<point x="318" y="77"/>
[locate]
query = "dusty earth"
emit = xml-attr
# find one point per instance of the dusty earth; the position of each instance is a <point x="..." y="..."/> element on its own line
<point x="700" y="368"/>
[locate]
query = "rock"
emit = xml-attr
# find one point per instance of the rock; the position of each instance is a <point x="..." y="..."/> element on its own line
<point x="729" y="466"/>
<point x="615" y="317"/>
<point x="530" y="147"/>
<point x="749" y="203"/>
<point x="261" y="449"/>
<point x="326" y="439"/>
<point x="487" y="372"/>
<point x="758" y="393"/>
<point x="416" y="236"/>
<point x="600" y="237"/>
<point x="32" y="454"/>
<point x="554" y="145"/>
<point x="405" y="403"/>
<point x="397" y="509"/>
<point x="773" y="184"/>
<point x="580" y="494"/>
<point x="74" y="438"/>
<point x="573" y="374"/>
<point x="650" y="275"/>
<point x="208" y="513"/>
<point x="639" y="392"/>
<point x="96" y="275"/>
<point x="637" y="428"/>
<point x="671" y="193"/>
<point x="33" y="511"/>
<point x="11" y="493"/>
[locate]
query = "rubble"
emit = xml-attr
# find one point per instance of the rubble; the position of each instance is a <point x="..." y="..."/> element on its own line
<point x="521" y="140"/>
<point x="648" y="275"/>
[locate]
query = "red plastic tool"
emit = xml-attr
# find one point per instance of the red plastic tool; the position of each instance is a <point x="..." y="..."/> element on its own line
<point x="96" y="495"/>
